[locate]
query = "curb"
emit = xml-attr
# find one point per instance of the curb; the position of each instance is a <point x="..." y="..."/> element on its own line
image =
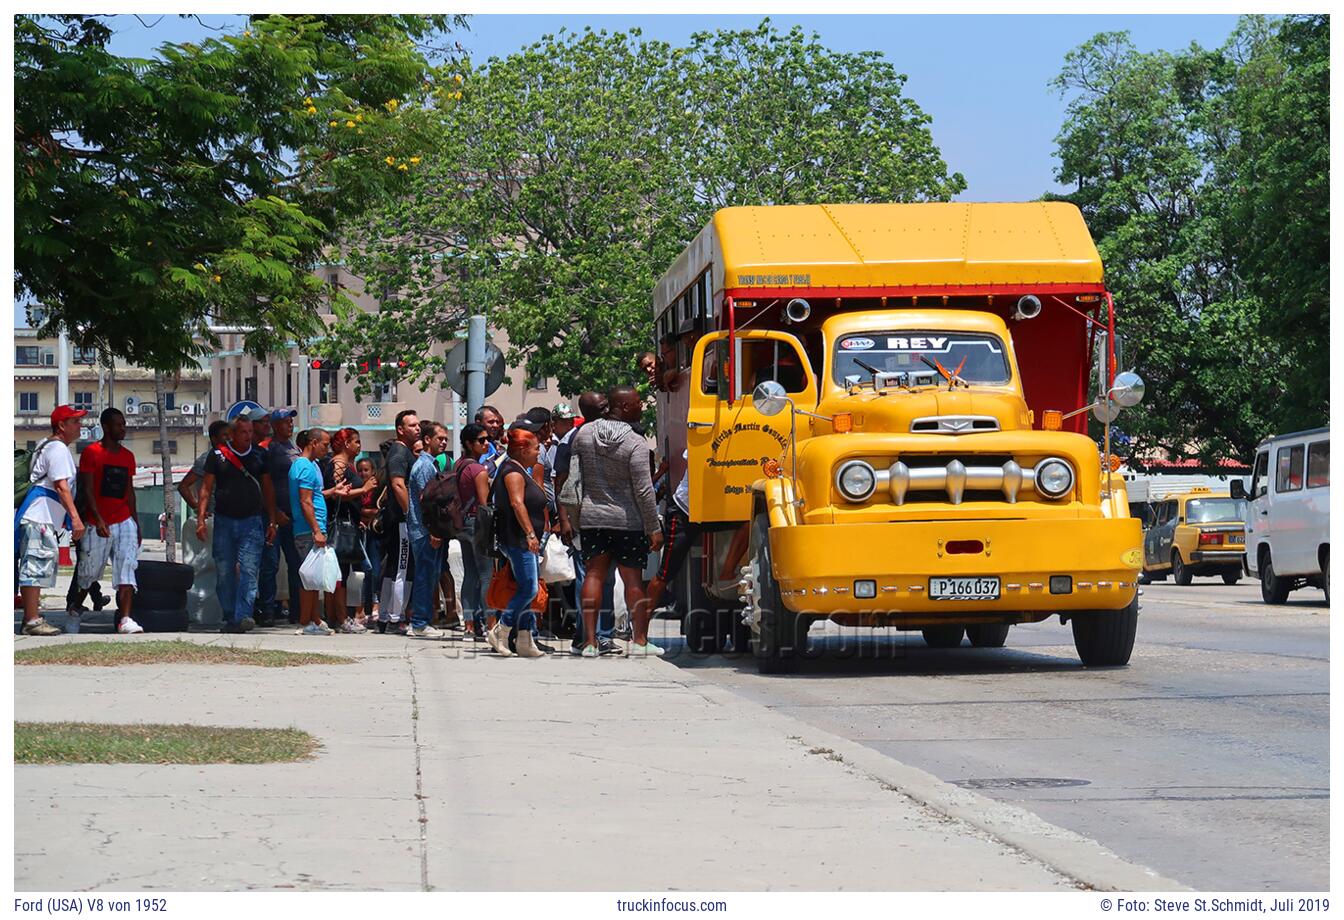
<point x="1072" y="855"/>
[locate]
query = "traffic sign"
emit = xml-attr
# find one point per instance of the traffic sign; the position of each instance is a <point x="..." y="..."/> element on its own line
<point x="455" y="368"/>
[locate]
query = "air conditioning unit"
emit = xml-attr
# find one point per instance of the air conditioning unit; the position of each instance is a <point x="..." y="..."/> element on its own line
<point x="187" y="408"/>
<point x="132" y="404"/>
<point x="147" y="408"/>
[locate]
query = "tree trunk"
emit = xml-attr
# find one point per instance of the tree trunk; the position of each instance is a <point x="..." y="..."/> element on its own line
<point x="166" y="457"/>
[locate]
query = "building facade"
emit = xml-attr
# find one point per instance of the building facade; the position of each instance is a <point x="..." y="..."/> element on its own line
<point x="94" y="385"/>
<point x="324" y="396"/>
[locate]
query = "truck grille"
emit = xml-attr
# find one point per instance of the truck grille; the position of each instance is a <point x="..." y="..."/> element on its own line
<point x="954" y="424"/>
<point x="957" y="479"/>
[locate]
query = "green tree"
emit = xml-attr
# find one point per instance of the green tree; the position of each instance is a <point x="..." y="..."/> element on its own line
<point x="570" y="174"/>
<point x="1157" y="144"/>
<point x="154" y="196"/>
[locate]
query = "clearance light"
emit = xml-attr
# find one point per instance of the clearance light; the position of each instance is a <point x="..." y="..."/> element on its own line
<point x="842" y="422"/>
<point x="1052" y="420"/>
<point x="771" y="468"/>
<point x="1061" y="584"/>
<point x="1087" y="298"/>
<point x="866" y="588"/>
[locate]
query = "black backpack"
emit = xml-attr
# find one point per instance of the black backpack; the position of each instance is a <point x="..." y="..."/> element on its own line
<point x="441" y="506"/>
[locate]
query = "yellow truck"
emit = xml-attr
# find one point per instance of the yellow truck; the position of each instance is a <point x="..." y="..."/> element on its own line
<point x="883" y="412"/>
<point x="1199" y="532"/>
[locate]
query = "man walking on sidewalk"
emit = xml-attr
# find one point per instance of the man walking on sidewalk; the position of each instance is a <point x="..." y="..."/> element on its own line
<point x="397" y="565"/>
<point x="47" y="509"/>
<point x="426" y="549"/>
<point x="244" y="521"/>
<point x="618" y="518"/>
<point x="106" y="474"/>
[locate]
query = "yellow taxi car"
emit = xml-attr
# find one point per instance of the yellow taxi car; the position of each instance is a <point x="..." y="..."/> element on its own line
<point x="1199" y="532"/>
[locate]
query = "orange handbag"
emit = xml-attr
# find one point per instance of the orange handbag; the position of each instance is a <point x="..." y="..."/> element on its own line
<point x="503" y="586"/>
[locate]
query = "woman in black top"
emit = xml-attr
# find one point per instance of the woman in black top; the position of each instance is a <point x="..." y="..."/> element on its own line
<point x="520" y="516"/>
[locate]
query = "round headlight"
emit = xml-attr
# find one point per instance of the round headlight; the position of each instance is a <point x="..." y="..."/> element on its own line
<point x="856" y="480"/>
<point x="1054" y="477"/>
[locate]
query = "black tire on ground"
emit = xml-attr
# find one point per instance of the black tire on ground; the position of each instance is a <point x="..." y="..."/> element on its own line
<point x="152" y="620"/>
<point x="158" y="599"/>
<point x="1231" y="578"/>
<point x="701" y="632"/>
<point x="1105" y="638"/>
<point x="1325" y="572"/>
<point x="987" y="635"/>
<point x="943" y="636"/>
<point x="783" y="634"/>
<point x="153" y="575"/>
<point x="1273" y="589"/>
<point x="1180" y="573"/>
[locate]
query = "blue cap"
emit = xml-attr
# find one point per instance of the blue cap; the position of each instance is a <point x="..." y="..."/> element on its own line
<point x="279" y="414"/>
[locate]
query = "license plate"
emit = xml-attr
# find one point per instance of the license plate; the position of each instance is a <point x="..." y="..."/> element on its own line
<point x="964" y="589"/>
<point x="1237" y="538"/>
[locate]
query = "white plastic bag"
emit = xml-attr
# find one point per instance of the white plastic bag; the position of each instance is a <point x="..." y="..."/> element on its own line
<point x="321" y="571"/>
<point x="354" y="590"/>
<point x="557" y="568"/>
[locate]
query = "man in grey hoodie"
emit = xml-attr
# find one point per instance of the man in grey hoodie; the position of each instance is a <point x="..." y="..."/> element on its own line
<point x="618" y="517"/>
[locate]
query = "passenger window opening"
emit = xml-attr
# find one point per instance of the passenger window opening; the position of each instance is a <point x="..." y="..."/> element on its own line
<point x="1288" y="474"/>
<point x="1318" y="464"/>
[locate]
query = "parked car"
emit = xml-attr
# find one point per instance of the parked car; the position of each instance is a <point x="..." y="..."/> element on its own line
<point x="1199" y="532"/>
<point x="1288" y="522"/>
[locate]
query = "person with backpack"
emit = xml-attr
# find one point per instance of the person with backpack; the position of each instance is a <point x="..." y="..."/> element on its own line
<point x="43" y="509"/>
<point x="245" y="521"/>
<point x="472" y="480"/>
<point x="426" y="547"/>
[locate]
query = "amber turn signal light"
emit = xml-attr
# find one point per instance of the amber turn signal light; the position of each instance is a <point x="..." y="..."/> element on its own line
<point x="1115" y="463"/>
<point x="1052" y="420"/>
<point x="842" y="422"/>
<point x="772" y="469"/>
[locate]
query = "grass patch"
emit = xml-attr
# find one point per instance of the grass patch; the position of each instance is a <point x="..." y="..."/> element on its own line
<point x="172" y="651"/>
<point x="88" y="742"/>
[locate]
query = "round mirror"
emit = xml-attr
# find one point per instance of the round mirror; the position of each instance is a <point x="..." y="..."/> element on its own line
<point x="1106" y="412"/>
<point x="768" y="398"/>
<point x="1127" y="389"/>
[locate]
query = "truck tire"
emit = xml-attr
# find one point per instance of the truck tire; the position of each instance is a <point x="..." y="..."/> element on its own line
<point x="155" y="620"/>
<point x="987" y="635"/>
<point x="783" y="634"/>
<point x="943" y="636"/>
<point x="1105" y="638"/>
<point x="1231" y="578"/>
<point x="1273" y="589"/>
<point x="154" y="575"/>
<point x="1180" y="572"/>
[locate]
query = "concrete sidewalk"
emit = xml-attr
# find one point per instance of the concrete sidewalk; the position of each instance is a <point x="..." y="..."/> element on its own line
<point x="444" y="767"/>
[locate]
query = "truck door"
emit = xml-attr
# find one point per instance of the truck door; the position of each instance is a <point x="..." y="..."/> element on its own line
<point x="727" y="439"/>
<point x="1166" y="534"/>
<point x="1257" y="510"/>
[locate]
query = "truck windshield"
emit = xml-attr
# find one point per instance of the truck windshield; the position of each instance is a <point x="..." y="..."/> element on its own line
<point x="894" y="352"/>
<point x="1215" y="511"/>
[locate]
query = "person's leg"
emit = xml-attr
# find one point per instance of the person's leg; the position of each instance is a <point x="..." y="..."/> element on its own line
<point x="470" y="598"/>
<point x="636" y="601"/>
<point x="39" y="547"/>
<point x="266" y="587"/>
<point x="594" y="579"/>
<point x="251" y="538"/>
<point x="447" y="589"/>
<point x="606" y="627"/>
<point x="125" y="558"/>
<point x="425" y="574"/>
<point x="574" y="595"/>
<point x="736" y="550"/>
<point x="224" y="548"/>
<point x="285" y="538"/>
<point x="518" y="615"/>
<point x="375" y="556"/>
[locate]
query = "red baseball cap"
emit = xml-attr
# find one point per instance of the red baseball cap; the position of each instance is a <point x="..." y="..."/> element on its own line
<point x="61" y="413"/>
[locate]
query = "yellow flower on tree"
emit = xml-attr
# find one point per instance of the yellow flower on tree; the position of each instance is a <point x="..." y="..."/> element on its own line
<point x="389" y="160"/>
<point x="331" y="124"/>
<point x="402" y="167"/>
<point x="415" y="159"/>
<point x="359" y="116"/>
<point x="349" y="124"/>
<point x="307" y="100"/>
<point x="218" y="279"/>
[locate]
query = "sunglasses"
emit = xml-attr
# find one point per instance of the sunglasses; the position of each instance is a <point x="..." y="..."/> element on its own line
<point x="482" y="439"/>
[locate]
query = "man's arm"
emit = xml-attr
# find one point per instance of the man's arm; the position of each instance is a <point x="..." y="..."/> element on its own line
<point x="68" y="502"/>
<point x="135" y="516"/>
<point x="310" y="515"/>
<point x="268" y="501"/>
<point x="644" y="500"/>
<point x="184" y="488"/>
<point x="203" y="502"/>
<point x="90" y="506"/>
<point x="402" y="495"/>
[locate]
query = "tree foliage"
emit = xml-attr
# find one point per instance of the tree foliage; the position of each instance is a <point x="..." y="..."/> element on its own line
<point x="1203" y="176"/>
<point x="154" y="196"/>
<point x="570" y="174"/>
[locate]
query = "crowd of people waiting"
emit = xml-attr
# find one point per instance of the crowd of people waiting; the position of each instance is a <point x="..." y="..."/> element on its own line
<point x="552" y="483"/>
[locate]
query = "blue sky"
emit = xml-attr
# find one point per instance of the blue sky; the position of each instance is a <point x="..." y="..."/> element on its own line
<point x="982" y="78"/>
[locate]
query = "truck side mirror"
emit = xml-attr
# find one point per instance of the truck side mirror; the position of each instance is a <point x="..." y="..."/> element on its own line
<point x="1237" y="488"/>
<point x="769" y="397"/>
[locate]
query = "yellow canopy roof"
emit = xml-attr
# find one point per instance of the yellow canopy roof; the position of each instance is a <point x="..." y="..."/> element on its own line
<point x="901" y="245"/>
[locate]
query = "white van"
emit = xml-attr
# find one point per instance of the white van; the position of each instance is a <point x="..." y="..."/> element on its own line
<point x="1288" y="522"/>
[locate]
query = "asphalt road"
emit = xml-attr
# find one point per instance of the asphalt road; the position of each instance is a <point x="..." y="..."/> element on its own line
<point x="1207" y="759"/>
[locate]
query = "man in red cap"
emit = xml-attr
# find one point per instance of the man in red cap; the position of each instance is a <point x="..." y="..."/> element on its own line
<point x="47" y="509"/>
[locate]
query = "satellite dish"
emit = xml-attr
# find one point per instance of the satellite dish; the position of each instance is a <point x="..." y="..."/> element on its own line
<point x="455" y="368"/>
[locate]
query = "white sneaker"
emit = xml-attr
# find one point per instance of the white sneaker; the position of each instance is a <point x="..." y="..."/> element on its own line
<point x="428" y="632"/>
<point x="634" y="650"/>
<point x="72" y="621"/>
<point x="350" y="626"/>
<point x="317" y="629"/>
<point x="129" y="627"/>
<point x="590" y="651"/>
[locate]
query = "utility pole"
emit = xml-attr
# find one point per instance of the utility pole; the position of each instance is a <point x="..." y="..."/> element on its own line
<point x="475" y="365"/>
<point x="62" y="369"/>
<point x="166" y="459"/>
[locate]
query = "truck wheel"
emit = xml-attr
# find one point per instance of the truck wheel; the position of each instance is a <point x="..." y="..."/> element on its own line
<point x="783" y="634"/>
<point x="1231" y="578"/>
<point x="1325" y="573"/>
<point x="1180" y="573"/>
<point x="987" y="635"/>
<point x="1273" y="589"/>
<point x="943" y="636"/>
<point x="1105" y="638"/>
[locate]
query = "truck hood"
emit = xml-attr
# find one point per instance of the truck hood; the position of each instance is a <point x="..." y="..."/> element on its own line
<point x="898" y="409"/>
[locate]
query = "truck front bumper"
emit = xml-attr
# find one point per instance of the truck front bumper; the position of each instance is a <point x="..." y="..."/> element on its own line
<point x="817" y="565"/>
